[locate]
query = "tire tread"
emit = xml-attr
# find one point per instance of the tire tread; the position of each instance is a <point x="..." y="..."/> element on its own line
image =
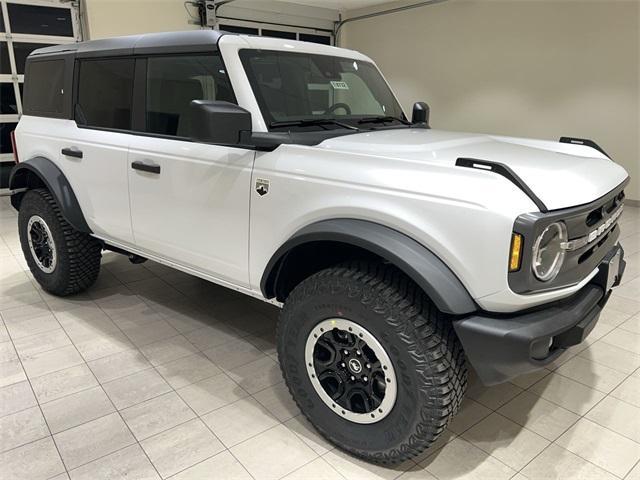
<point x="81" y="252"/>
<point x="427" y="333"/>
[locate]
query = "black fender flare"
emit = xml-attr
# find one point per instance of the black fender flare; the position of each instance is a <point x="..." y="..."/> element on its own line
<point x="425" y="268"/>
<point x="55" y="181"/>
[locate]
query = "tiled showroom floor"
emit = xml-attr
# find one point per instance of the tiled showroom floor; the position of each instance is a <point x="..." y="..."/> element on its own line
<point x="156" y="374"/>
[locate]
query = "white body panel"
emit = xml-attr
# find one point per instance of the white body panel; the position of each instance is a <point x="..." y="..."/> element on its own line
<point x="203" y="215"/>
<point x="195" y="211"/>
<point x="465" y="216"/>
<point x="561" y="175"/>
<point x="99" y="179"/>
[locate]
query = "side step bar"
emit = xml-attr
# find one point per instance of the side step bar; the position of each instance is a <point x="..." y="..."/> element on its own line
<point x="133" y="258"/>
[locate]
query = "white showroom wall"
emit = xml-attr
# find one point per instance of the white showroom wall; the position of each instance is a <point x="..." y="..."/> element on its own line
<point x="528" y="68"/>
<point x="109" y="18"/>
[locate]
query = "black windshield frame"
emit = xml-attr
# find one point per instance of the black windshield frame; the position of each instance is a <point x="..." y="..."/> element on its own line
<point x="376" y="85"/>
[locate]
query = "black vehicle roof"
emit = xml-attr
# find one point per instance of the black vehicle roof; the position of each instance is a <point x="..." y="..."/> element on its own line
<point x="148" y="43"/>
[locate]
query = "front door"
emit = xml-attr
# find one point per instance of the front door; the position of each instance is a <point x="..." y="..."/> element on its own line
<point x="189" y="201"/>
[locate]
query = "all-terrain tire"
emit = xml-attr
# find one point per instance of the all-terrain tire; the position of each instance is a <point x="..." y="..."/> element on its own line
<point x="77" y="254"/>
<point x="426" y="354"/>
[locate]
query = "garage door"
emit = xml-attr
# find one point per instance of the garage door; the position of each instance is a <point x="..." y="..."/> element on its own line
<point x="277" y="31"/>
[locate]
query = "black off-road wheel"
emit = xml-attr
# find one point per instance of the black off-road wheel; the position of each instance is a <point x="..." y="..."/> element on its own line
<point x="62" y="260"/>
<point x="370" y="361"/>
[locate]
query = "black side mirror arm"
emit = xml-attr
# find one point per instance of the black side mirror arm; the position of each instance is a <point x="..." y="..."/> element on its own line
<point x="420" y="115"/>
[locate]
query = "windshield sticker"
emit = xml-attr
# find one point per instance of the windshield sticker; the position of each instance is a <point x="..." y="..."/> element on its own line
<point x="340" y="85"/>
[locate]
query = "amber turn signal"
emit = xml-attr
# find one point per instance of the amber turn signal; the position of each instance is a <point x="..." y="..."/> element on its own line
<point x="515" y="257"/>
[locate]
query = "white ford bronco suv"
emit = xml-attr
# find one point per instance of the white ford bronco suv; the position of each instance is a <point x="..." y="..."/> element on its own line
<point x="288" y="171"/>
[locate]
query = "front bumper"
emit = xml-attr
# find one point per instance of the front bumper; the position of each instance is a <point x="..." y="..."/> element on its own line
<point x="503" y="346"/>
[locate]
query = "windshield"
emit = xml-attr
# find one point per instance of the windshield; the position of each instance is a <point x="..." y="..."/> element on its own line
<point x="318" y="92"/>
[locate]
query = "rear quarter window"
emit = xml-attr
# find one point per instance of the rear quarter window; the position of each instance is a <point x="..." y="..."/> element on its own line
<point x="44" y="88"/>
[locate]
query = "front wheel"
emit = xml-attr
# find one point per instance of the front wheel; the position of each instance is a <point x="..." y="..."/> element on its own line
<point x="370" y="361"/>
<point x="62" y="260"/>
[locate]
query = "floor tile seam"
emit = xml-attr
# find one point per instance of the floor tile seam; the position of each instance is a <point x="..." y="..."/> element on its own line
<point x="570" y="452"/>
<point x="581" y="416"/>
<point x="602" y="339"/>
<point x="584" y="416"/>
<point x="590" y="386"/>
<point x="330" y="466"/>
<point x="204" y="460"/>
<point x="125" y="423"/>
<point x="41" y="411"/>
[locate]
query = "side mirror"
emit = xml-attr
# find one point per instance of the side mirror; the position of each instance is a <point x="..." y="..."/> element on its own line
<point x="420" y="113"/>
<point x="218" y="122"/>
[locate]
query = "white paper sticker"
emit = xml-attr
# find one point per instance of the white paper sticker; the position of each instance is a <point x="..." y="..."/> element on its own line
<point x="340" y="85"/>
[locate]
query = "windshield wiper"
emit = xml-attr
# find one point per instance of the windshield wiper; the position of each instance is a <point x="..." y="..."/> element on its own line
<point x="312" y="121"/>
<point x="383" y="119"/>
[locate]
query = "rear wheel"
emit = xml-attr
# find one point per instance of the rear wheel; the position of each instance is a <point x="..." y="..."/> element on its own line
<point x="62" y="260"/>
<point x="370" y="361"/>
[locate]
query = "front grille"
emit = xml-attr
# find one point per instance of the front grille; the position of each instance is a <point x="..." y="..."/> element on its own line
<point x="593" y="249"/>
<point x="590" y="238"/>
<point x="599" y="213"/>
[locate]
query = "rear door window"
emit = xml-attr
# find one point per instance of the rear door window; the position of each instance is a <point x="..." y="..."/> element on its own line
<point x="105" y="91"/>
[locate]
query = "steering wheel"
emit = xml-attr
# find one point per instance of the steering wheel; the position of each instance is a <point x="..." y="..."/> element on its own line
<point x="338" y="105"/>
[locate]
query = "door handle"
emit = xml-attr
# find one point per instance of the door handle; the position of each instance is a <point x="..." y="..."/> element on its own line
<point x="145" y="167"/>
<point x="72" y="152"/>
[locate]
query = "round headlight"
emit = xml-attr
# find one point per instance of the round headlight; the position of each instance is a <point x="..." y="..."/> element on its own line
<point x="548" y="255"/>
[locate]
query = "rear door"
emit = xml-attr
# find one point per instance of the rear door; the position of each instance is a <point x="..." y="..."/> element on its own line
<point x="94" y="147"/>
<point x="189" y="200"/>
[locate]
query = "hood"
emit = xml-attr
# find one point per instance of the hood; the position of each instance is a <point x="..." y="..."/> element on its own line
<point x="561" y="175"/>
